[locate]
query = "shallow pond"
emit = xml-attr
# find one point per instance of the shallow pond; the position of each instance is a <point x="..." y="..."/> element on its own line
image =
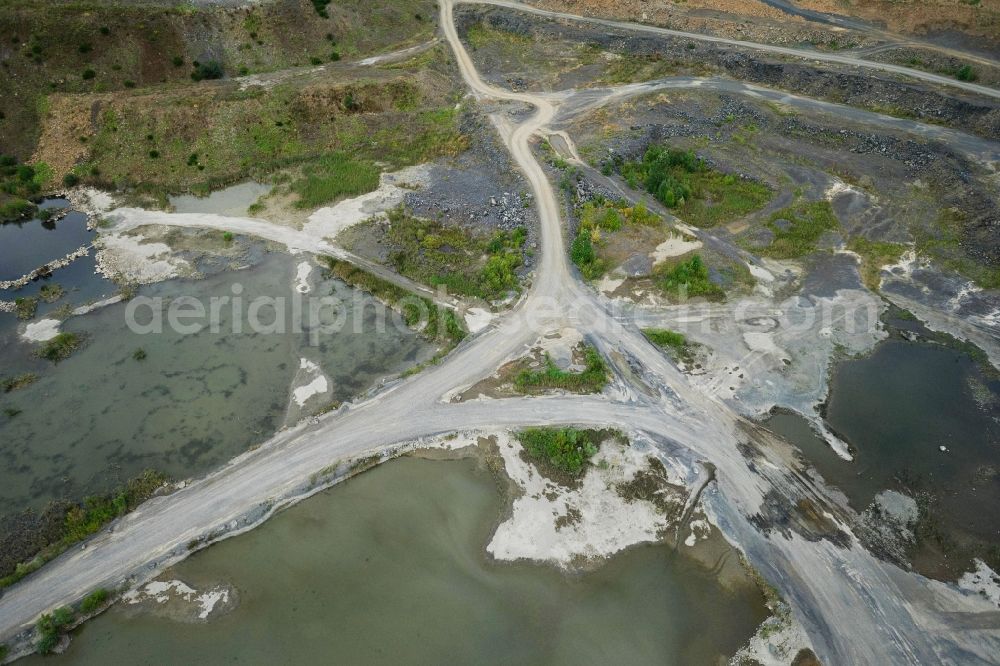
<point x="390" y="568"/>
<point x="233" y="200"/>
<point x="101" y="416"/>
<point x="897" y="408"/>
<point x="25" y="246"/>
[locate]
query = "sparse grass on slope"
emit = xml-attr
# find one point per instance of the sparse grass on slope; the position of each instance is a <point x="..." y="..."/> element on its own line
<point x="99" y="46"/>
<point x="199" y="139"/>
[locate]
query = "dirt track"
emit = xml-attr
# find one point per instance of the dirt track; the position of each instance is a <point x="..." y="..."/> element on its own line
<point x="856" y="608"/>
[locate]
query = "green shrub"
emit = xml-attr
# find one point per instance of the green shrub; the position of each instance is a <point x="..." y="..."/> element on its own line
<point x="689" y="279"/>
<point x="966" y="73"/>
<point x="208" y="70"/>
<point x="62" y="616"/>
<point x="89" y="74"/>
<point x="582" y="253"/>
<point x="592" y="379"/>
<point x="71" y="180"/>
<point x="567" y="450"/>
<point x="16" y="209"/>
<point x="139" y="354"/>
<point x="320" y="7"/>
<point x="94" y="600"/>
<point x="47" y="643"/>
<point x="177" y="60"/>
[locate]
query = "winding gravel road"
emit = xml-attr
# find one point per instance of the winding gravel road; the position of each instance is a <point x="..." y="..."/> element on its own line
<point x="856" y="608"/>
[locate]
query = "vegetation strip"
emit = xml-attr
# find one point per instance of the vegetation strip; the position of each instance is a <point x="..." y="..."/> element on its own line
<point x="39" y="540"/>
<point x="420" y="313"/>
<point x="676" y="344"/>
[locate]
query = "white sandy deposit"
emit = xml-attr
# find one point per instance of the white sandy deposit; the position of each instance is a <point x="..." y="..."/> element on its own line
<point x="602" y="522"/>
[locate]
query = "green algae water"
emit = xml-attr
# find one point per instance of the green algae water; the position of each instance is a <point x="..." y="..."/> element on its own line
<point x="390" y="567"/>
<point x="191" y="403"/>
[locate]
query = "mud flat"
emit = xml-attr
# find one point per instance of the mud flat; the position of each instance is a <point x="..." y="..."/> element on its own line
<point x="391" y="568"/>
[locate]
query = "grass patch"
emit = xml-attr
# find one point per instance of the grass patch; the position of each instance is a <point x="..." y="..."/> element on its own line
<point x="334" y="176"/>
<point x="798" y="227"/>
<point x="51" y="293"/>
<point x="701" y="195"/>
<point x="420" y="313"/>
<point x="60" y="347"/>
<point x="25" y="307"/>
<point x="966" y="73"/>
<point x="688" y="279"/>
<point x="874" y="255"/>
<point x="592" y="379"/>
<point x="18" y="381"/>
<point x="465" y="263"/>
<point x="676" y="344"/>
<point x="563" y="454"/>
